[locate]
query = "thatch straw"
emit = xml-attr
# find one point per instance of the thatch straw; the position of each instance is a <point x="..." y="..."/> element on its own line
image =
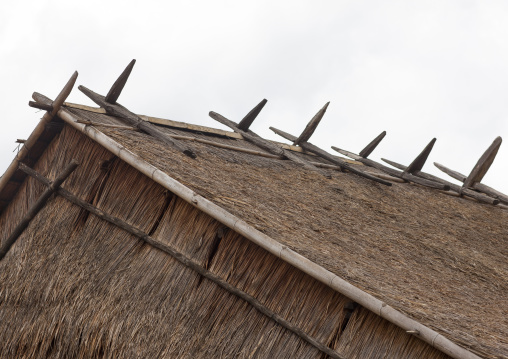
<point x="415" y="248"/>
<point x="96" y="291"/>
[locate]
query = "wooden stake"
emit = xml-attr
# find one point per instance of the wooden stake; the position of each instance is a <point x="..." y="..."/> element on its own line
<point x="247" y="121"/>
<point x="311" y="126"/>
<point x="321" y="153"/>
<point x="264" y="144"/>
<point x="40" y="106"/>
<point x="119" y="84"/>
<point x="37" y="206"/>
<point x="419" y="161"/>
<point x="371" y="146"/>
<point x="451" y="173"/>
<point x="136" y="121"/>
<point x="483" y="164"/>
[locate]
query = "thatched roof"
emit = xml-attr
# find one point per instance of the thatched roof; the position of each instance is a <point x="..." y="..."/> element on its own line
<point x="441" y="260"/>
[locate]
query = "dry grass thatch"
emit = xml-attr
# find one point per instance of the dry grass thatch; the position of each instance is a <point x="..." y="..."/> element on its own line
<point x="76" y="286"/>
<point x="439" y="259"/>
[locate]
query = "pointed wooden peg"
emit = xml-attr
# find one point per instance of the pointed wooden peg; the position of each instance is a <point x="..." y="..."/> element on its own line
<point x="60" y="99"/>
<point x="119" y="84"/>
<point x="483" y="164"/>
<point x="311" y="126"/>
<point x="419" y="161"/>
<point x="454" y="174"/>
<point x="394" y="164"/>
<point x="251" y="116"/>
<point x="371" y="146"/>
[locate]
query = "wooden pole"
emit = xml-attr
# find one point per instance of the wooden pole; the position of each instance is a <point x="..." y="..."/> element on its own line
<point x="180" y="257"/>
<point x="119" y="84"/>
<point x="136" y="121"/>
<point x="247" y="121"/>
<point x="483" y="164"/>
<point x="307" y="146"/>
<point x="420" y="160"/>
<point x="264" y="144"/>
<point x="372" y="145"/>
<point x="37" y="206"/>
<point x="311" y="126"/>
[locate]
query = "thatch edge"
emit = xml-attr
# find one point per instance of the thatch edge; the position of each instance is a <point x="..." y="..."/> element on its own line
<point x="319" y="273"/>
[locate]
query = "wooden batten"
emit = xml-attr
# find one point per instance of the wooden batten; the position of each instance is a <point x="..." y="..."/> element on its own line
<point x="311" y="126"/>
<point x="134" y="120"/>
<point x="333" y="159"/>
<point x="247" y="121"/>
<point x="119" y="84"/>
<point x="420" y="160"/>
<point x="37" y="206"/>
<point x="483" y="164"/>
<point x="264" y="144"/>
<point x="372" y="145"/>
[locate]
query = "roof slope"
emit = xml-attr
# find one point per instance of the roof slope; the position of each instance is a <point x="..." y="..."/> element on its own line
<point x="441" y="260"/>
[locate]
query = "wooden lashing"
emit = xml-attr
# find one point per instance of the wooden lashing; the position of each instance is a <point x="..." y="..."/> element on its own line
<point x="245" y="123"/>
<point x="372" y="145"/>
<point x="189" y="263"/>
<point x="392" y="172"/>
<point x="307" y="146"/>
<point x="268" y="146"/>
<point x="458" y="189"/>
<point x="37" y="206"/>
<point x="115" y="109"/>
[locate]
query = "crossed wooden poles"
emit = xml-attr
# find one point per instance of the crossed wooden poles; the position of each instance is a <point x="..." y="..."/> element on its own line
<point x="472" y="186"/>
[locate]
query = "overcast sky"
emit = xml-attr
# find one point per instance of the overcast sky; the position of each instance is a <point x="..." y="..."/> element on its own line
<point x="417" y="69"/>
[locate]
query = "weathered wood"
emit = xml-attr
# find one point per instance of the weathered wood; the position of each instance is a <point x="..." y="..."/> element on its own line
<point x="483" y="164"/>
<point x="97" y="124"/>
<point x="40" y="106"/>
<point x="264" y="144"/>
<point x="420" y="160"/>
<point x="119" y="84"/>
<point x="477" y="186"/>
<point x="189" y="263"/>
<point x="333" y="159"/>
<point x="136" y="121"/>
<point x="311" y="126"/>
<point x="247" y="121"/>
<point x="392" y="172"/>
<point x="372" y="145"/>
<point x="460" y="190"/>
<point x="37" y="206"/>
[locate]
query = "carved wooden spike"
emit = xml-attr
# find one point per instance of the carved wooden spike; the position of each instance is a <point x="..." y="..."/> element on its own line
<point x="119" y="84"/>
<point x="40" y="106"/>
<point x="311" y="126"/>
<point x="483" y="164"/>
<point x="394" y="164"/>
<point x="251" y="116"/>
<point x="371" y="146"/>
<point x="419" y="161"/>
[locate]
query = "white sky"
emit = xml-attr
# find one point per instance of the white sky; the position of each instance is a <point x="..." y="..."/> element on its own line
<point x="417" y="69"/>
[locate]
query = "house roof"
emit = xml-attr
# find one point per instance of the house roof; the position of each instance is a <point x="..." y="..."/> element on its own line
<point x="439" y="259"/>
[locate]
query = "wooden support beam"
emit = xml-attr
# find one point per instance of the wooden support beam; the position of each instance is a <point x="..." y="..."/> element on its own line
<point x="307" y="146"/>
<point x="372" y="145"/>
<point x="136" y="121"/>
<point x="483" y="164"/>
<point x="37" y="206"/>
<point x="247" y="121"/>
<point x="477" y="186"/>
<point x="458" y="189"/>
<point x="420" y="160"/>
<point x="119" y="84"/>
<point x="392" y="172"/>
<point x="311" y="126"/>
<point x="189" y="263"/>
<point x="264" y="144"/>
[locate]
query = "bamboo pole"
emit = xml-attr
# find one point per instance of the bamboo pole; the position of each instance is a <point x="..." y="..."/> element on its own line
<point x="39" y="129"/>
<point x="37" y="206"/>
<point x="317" y="272"/>
<point x="180" y="257"/>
